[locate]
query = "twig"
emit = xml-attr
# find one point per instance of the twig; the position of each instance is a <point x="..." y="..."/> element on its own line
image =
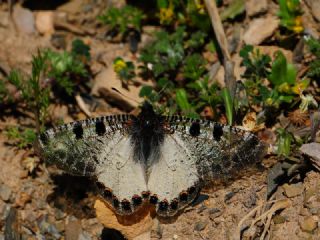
<point x="82" y="106"/>
<point x="229" y="79"/>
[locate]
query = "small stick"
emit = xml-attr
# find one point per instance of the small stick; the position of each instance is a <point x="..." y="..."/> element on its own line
<point x="229" y="77"/>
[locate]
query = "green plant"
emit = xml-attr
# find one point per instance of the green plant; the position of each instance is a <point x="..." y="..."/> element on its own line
<point x="64" y="68"/>
<point x="190" y="13"/>
<point x="80" y="50"/>
<point x="282" y="77"/>
<point x="284" y="142"/>
<point x="124" y="69"/>
<point x="290" y="15"/>
<point x="122" y="19"/>
<point x="314" y="66"/>
<point x="22" y="137"/>
<point x="33" y="91"/>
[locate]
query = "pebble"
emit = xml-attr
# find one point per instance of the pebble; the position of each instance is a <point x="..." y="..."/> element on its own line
<point x="5" y="211"/>
<point x="201" y="225"/>
<point x="84" y="236"/>
<point x="260" y="29"/>
<point x="214" y="213"/>
<point x="5" y="192"/>
<point x="309" y="224"/>
<point x="23" y="19"/>
<point x="293" y="190"/>
<point x="73" y="230"/>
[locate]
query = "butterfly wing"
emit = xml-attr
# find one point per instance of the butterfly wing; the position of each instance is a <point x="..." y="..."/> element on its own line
<point x="173" y="177"/>
<point x="221" y="151"/>
<point x="99" y="148"/>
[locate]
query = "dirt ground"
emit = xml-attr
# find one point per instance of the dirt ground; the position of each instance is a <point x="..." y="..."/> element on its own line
<point x="51" y="205"/>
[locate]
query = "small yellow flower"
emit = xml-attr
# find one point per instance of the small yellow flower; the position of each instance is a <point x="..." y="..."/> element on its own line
<point x="200" y="6"/>
<point x="300" y="87"/>
<point x="297" y="28"/>
<point x="269" y="102"/>
<point x="118" y="65"/>
<point x="166" y="15"/>
<point x="284" y="88"/>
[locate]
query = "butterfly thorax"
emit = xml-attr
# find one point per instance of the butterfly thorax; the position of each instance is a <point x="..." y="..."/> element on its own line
<point x="147" y="135"/>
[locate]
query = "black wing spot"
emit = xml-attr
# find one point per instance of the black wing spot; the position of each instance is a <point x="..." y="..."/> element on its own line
<point x="217" y="132"/>
<point x="44" y="138"/>
<point x="100" y="128"/>
<point x="194" y="129"/>
<point x="126" y="205"/>
<point x="78" y="130"/>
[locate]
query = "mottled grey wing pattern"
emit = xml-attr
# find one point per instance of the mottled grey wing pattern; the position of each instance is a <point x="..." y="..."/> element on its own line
<point x="220" y="151"/>
<point x="76" y="147"/>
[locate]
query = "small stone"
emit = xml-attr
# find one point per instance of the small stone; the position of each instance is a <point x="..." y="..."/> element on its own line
<point x="58" y="214"/>
<point x="23" y="19"/>
<point x="199" y="226"/>
<point x="278" y="219"/>
<point x="255" y="7"/>
<point x="73" y="230"/>
<point x="5" y="211"/>
<point x="60" y="226"/>
<point x="84" y="236"/>
<point x="44" y="22"/>
<point x="214" y="213"/>
<point x="293" y="190"/>
<point x="5" y="192"/>
<point x="260" y="29"/>
<point x="22" y="199"/>
<point x="309" y="224"/>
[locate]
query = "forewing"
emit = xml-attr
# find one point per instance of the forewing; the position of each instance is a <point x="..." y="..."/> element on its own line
<point x="173" y="180"/>
<point x="100" y="148"/>
<point x="221" y="151"/>
<point x="76" y="147"/>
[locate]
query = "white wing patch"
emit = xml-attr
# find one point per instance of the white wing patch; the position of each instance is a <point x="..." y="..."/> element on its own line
<point x="175" y="171"/>
<point x="118" y="171"/>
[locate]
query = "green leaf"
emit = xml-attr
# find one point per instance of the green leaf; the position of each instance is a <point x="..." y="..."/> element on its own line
<point x="284" y="142"/>
<point x="281" y="71"/>
<point x="145" y="91"/>
<point x="182" y="100"/>
<point x="236" y="8"/>
<point x="228" y="102"/>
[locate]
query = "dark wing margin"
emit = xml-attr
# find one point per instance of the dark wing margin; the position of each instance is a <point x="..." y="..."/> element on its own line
<point x="75" y="147"/>
<point x="223" y="152"/>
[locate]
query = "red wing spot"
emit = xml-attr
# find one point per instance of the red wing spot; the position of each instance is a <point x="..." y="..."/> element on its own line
<point x="126" y="205"/>
<point x="174" y="204"/>
<point x="183" y="196"/>
<point x="145" y="194"/>
<point x="154" y="199"/>
<point x="137" y="200"/>
<point x="163" y="205"/>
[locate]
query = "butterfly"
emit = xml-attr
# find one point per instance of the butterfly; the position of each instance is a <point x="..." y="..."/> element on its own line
<point x="150" y="158"/>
